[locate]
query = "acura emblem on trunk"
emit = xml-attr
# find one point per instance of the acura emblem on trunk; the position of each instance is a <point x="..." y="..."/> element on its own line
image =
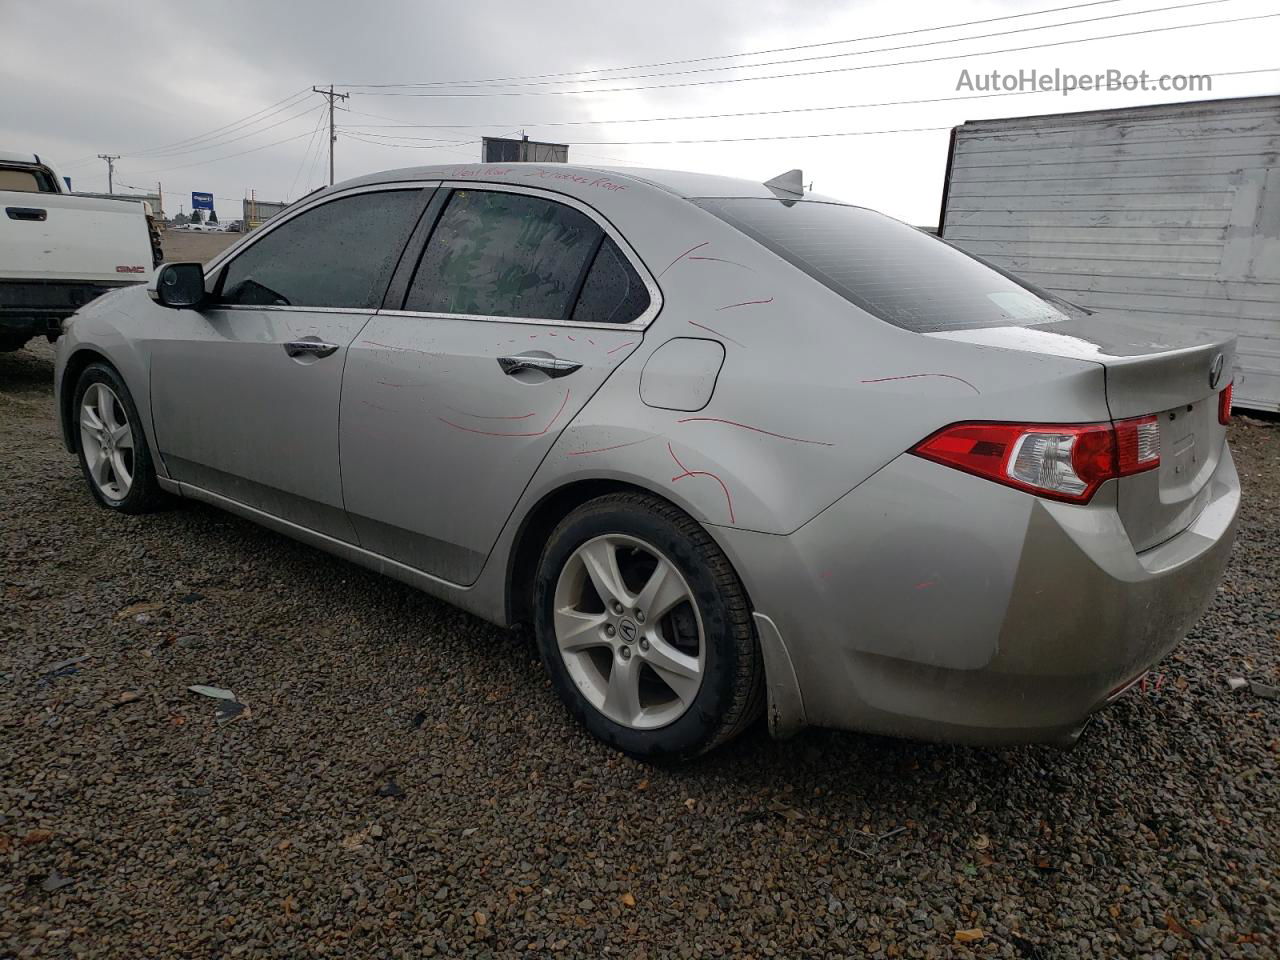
<point x="1215" y="371"/>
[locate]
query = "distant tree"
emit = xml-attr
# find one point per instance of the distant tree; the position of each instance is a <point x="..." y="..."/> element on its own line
<point x="195" y="216"/>
<point x="181" y="218"/>
<point x="213" y="216"/>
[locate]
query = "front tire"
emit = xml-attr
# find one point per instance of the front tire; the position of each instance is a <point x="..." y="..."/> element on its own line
<point x="112" y="446"/>
<point x="645" y="628"/>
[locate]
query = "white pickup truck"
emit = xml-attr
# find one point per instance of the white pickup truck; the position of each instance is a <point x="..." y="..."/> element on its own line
<point x="58" y="251"/>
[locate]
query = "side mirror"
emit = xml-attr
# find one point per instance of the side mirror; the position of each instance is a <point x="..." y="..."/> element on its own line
<point x="180" y="286"/>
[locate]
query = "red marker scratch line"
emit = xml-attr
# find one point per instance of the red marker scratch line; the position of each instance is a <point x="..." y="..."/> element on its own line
<point x="744" y="426"/>
<point x="916" y="376"/>
<point x="925" y="584"/>
<point x="619" y="347"/>
<point x="481" y="416"/>
<point x="616" y="446"/>
<point x="732" y="263"/>
<point x="718" y="334"/>
<point x="488" y="433"/>
<point x="744" y="303"/>
<point x="683" y="255"/>
<point x="388" y="383"/>
<point x="701" y="473"/>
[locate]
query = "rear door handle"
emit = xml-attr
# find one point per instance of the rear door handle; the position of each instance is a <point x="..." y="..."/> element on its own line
<point x="551" y="366"/>
<point x="27" y="213"/>
<point x="312" y="346"/>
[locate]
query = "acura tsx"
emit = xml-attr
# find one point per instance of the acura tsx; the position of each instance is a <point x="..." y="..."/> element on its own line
<point x="728" y="447"/>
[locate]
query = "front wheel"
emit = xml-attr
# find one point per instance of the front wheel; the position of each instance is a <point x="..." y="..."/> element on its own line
<point x="646" y="629"/>
<point x="112" y="446"/>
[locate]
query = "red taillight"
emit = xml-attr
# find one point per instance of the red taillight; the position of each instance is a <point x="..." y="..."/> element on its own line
<point x="1224" y="405"/>
<point x="1060" y="461"/>
<point x="1137" y="445"/>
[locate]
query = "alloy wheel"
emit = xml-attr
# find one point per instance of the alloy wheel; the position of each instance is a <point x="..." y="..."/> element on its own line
<point x="629" y="631"/>
<point x="107" y="441"/>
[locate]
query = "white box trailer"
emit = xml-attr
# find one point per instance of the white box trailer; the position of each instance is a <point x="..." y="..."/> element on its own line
<point x="1170" y="213"/>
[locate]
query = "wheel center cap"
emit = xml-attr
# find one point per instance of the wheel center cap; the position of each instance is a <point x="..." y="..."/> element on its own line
<point x="628" y="630"/>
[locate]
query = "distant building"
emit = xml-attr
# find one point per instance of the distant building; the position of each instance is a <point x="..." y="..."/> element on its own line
<point x="500" y="150"/>
<point x="154" y="199"/>
<point x="257" y="212"/>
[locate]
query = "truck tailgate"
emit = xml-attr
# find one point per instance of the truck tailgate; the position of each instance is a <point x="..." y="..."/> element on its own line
<point x="53" y="236"/>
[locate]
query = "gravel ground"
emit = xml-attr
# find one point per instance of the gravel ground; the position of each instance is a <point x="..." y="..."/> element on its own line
<point x="403" y="783"/>
<point x="185" y="245"/>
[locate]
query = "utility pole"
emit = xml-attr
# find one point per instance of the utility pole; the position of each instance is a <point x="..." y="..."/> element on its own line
<point x="111" y="169"/>
<point x="333" y="137"/>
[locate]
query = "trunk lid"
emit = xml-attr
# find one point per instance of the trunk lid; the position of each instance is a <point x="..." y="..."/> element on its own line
<point x="1171" y="371"/>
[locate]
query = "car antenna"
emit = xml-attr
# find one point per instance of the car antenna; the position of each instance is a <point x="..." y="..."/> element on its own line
<point x="790" y="183"/>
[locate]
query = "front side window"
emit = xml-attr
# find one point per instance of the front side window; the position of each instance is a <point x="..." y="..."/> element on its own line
<point x="340" y="254"/>
<point x="893" y="271"/>
<point x="496" y="254"/>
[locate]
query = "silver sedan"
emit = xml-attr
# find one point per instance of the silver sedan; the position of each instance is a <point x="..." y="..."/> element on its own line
<point x="727" y="446"/>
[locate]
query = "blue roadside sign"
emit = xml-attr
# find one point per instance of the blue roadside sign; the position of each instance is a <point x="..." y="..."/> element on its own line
<point x="201" y="201"/>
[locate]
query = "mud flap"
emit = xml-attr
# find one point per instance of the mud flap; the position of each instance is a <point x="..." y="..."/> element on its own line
<point x="785" y="707"/>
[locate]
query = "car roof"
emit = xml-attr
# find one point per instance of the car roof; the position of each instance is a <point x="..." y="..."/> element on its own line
<point x="681" y="183"/>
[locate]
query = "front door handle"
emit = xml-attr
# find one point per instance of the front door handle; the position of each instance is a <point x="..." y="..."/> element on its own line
<point x="312" y="346"/>
<point x="27" y="213"/>
<point x="551" y="366"/>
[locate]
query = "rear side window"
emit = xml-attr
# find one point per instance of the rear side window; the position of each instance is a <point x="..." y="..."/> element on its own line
<point x="893" y="271"/>
<point x="340" y="254"/>
<point x="613" y="291"/>
<point x="26" y="181"/>
<point x="496" y="254"/>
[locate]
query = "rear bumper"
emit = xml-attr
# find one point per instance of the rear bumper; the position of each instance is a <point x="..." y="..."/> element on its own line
<point x="931" y="604"/>
<point x="32" y="307"/>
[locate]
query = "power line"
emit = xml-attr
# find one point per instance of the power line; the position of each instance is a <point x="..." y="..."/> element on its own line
<point x="629" y="143"/>
<point x="854" y="53"/>
<point x="197" y="163"/>
<point x="223" y="143"/>
<point x="313" y="171"/>
<point x="176" y="191"/>
<point x="831" y="70"/>
<point x="363" y="128"/>
<point x="754" y="53"/>
<point x="391" y="136"/>
<point x="408" y="146"/>
<point x="224" y="128"/>
<point x="306" y="153"/>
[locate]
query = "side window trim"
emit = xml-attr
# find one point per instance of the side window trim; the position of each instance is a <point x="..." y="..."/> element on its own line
<point x="413" y="258"/>
<point x="415" y="248"/>
<point x="217" y="270"/>
<point x="581" y="282"/>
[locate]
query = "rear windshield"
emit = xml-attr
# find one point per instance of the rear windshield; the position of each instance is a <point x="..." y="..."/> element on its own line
<point x="895" y="272"/>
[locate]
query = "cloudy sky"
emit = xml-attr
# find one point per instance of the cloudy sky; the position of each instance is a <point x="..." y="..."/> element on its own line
<point x="216" y="96"/>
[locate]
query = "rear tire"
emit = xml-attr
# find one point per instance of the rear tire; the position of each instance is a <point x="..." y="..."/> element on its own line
<point x="646" y="629"/>
<point x="111" y="444"/>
